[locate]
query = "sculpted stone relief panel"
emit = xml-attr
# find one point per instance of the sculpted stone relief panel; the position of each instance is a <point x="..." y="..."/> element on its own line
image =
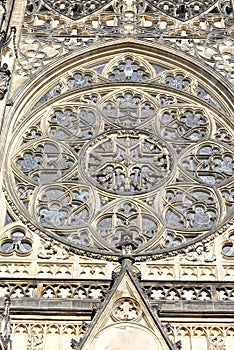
<point x="202" y="29"/>
<point x="152" y="164"/>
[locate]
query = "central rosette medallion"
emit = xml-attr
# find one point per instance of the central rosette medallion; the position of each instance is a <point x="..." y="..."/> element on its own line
<point x="127" y="162"/>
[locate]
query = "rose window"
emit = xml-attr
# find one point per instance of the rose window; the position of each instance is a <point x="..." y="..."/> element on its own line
<point x="144" y="165"/>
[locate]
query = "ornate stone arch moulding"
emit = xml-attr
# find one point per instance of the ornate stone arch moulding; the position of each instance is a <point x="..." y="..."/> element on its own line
<point x="133" y="157"/>
<point x="41" y="82"/>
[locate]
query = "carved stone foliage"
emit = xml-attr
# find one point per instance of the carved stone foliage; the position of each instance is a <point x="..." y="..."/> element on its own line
<point x="105" y="158"/>
<point x="202" y="29"/>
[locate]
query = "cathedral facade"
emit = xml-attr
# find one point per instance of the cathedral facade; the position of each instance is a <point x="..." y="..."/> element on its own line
<point x="117" y="172"/>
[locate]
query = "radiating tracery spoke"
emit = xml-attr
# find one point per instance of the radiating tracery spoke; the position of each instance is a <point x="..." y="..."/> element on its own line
<point x="63" y="206"/>
<point x="128" y="109"/>
<point x="190" y="207"/>
<point x="184" y="124"/>
<point x="212" y="164"/>
<point x="44" y="161"/>
<point x="128" y="219"/>
<point x="72" y="125"/>
<point x="125" y="162"/>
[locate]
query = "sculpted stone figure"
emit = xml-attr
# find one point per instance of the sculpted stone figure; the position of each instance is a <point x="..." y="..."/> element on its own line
<point x="5" y="76"/>
<point x="49" y="250"/>
<point x="35" y="342"/>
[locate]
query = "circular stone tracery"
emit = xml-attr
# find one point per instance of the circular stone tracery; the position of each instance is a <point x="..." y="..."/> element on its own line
<point x="126" y="162"/>
<point x="126" y="309"/>
<point x="151" y="188"/>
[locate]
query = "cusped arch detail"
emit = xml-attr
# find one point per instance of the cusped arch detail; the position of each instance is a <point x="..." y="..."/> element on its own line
<point x="43" y="81"/>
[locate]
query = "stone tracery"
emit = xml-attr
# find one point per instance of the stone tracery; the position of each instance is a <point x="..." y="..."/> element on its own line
<point x="73" y="125"/>
<point x="97" y="78"/>
<point x="156" y="143"/>
<point x="124" y="162"/>
<point x="178" y="25"/>
<point x="63" y="206"/>
<point x="210" y="163"/>
<point x="128" y="109"/>
<point x="16" y="242"/>
<point x="128" y="219"/>
<point x="184" y="124"/>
